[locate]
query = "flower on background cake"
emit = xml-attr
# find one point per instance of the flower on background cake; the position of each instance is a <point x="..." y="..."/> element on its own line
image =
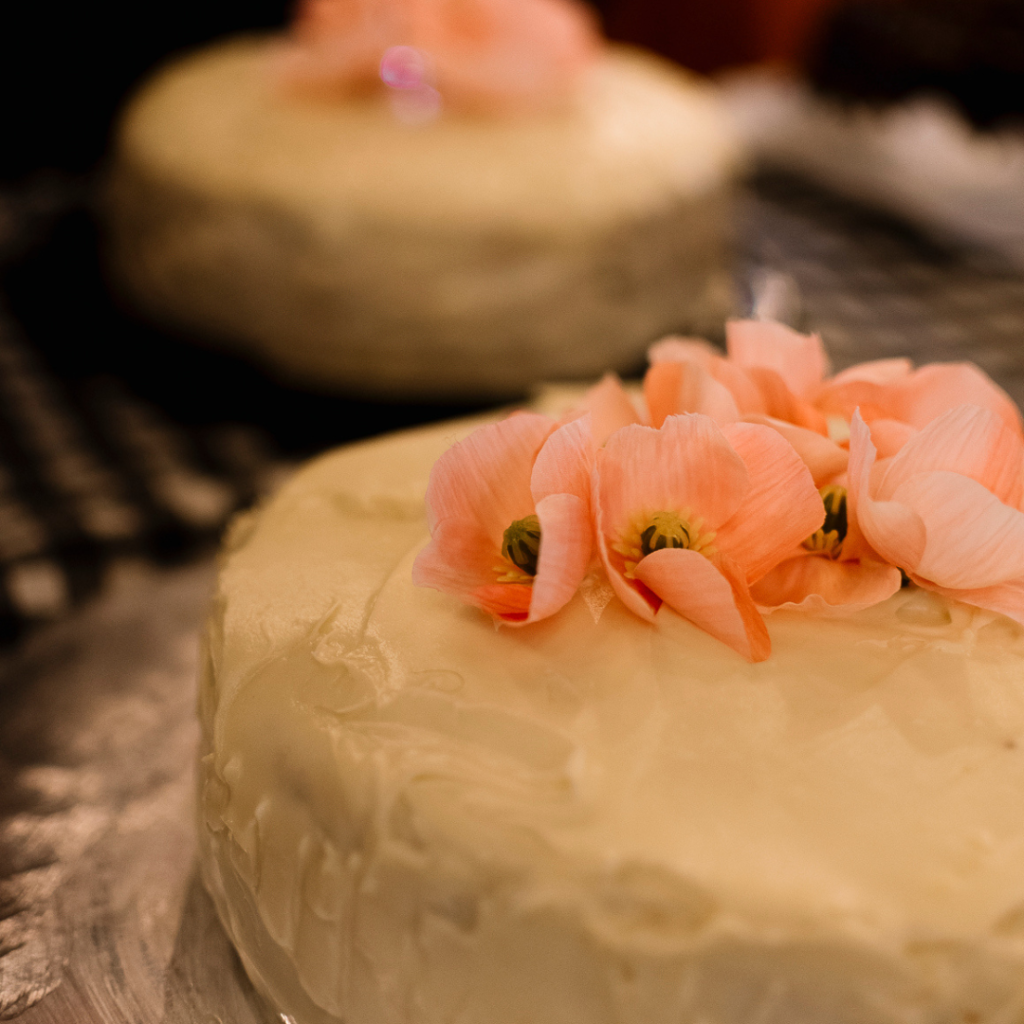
<point x="478" y="55"/>
<point x="753" y="481"/>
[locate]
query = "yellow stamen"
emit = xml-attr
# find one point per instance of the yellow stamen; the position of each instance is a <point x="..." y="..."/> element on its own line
<point x="655" y="531"/>
<point x="828" y="540"/>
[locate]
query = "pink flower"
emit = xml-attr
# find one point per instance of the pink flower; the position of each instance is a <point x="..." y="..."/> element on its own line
<point x="509" y="516"/>
<point x="824" y="458"/>
<point x="771" y="371"/>
<point x="834" y="569"/>
<point x="799" y="360"/>
<point x="690" y="515"/>
<point x="947" y="508"/>
<point x="610" y="408"/>
<point x="684" y="378"/>
<point x="892" y="395"/>
<point x="479" y="54"/>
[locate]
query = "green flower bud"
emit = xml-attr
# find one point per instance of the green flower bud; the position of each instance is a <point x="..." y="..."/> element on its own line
<point x="520" y="544"/>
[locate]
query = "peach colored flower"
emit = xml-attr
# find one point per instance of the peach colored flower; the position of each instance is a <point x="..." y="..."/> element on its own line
<point x="683" y="379"/>
<point x="766" y="362"/>
<point x="798" y="360"/>
<point x="610" y="408"/>
<point x="509" y="515"/>
<point x="823" y="457"/>
<point x="479" y="54"/>
<point x="691" y="514"/>
<point x="947" y="508"/>
<point x="834" y="569"/>
<point x="893" y="397"/>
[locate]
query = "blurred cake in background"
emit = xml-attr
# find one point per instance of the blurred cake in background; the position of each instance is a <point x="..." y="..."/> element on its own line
<point x="913" y="106"/>
<point x="408" y="199"/>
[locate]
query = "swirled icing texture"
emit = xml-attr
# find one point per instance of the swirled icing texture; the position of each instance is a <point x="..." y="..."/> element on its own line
<point x="411" y="816"/>
<point x="490" y="55"/>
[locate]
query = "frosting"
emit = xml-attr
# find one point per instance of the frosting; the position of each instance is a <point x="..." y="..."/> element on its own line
<point x="411" y="816"/>
<point x="471" y="54"/>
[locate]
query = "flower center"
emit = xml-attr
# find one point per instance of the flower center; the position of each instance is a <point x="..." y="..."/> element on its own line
<point x="828" y="540"/>
<point x="520" y="545"/>
<point x="667" y="530"/>
<point x="657" y="531"/>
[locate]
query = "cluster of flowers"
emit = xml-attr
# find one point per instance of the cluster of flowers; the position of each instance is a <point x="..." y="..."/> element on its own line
<point x="741" y="484"/>
<point x="490" y="55"/>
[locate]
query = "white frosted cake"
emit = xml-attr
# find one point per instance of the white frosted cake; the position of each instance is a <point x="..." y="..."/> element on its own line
<point x="470" y="254"/>
<point x="409" y="815"/>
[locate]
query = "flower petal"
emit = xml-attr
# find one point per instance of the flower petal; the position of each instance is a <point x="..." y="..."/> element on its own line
<point x="814" y="583"/>
<point x="565" y="463"/>
<point x="799" y="359"/>
<point x="610" y="408"/>
<point x="459" y="559"/>
<point x="781" y="509"/>
<point x="824" y="458"/>
<point x="877" y="371"/>
<point x="671" y="388"/>
<point x="710" y="597"/>
<point x="635" y="596"/>
<point x="874" y="400"/>
<point x="477" y="488"/>
<point x="1006" y="598"/>
<point x="894" y="531"/>
<point x="566" y="542"/>
<point x="734" y="378"/>
<point x="509" y="602"/>
<point x="781" y="403"/>
<point x="682" y="350"/>
<point x="485" y="478"/>
<point x="889" y="436"/>
<point x="745" y="391"/>
<point x="968" y="440"/>
<point x="973" y="539"/>
<point x="932" y="390"/>
<point x="687" y="465"/>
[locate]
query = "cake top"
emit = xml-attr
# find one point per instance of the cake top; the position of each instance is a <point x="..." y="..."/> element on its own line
<point x="481" y="55"/>
<point x="741" y="484"/>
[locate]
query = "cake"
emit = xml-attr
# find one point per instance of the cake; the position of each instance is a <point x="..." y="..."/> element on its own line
<point x="409" y="815"/>
<point x="348" y="238"/>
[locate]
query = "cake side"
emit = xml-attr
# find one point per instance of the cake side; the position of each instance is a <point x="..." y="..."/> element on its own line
<point x="480" y="253"/>
<point x="412" y="816"/>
